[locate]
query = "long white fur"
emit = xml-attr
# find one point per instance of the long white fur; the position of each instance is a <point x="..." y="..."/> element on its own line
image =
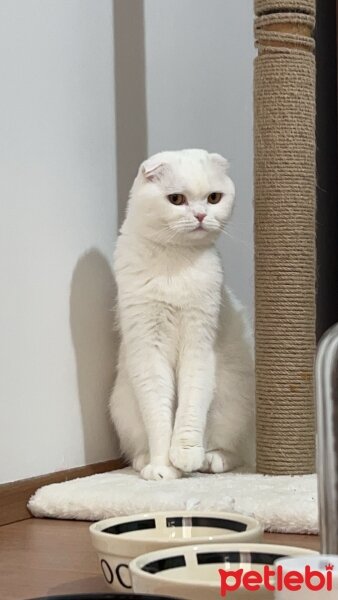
<point x="184" y="394"/>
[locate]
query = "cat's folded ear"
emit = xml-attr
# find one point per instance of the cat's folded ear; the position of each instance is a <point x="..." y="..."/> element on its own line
<point x="220" y="161"/>
<point x="153" y="168"/>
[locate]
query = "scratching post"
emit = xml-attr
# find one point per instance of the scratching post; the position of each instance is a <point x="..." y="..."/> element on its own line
<point x="284" y="115"/>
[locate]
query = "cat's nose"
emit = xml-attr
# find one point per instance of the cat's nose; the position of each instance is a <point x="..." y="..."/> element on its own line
<point x="200" y="216"/>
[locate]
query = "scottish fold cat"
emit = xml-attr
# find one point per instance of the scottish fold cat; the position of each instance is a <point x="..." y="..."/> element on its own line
<point x="184" y="394"/>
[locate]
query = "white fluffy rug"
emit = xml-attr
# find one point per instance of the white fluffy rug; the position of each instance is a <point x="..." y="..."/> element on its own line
<point x="283" y="504"/>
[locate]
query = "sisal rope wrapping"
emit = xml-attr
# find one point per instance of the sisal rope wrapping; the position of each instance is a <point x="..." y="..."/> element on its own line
<point x="263" y="7"/>
<point x="285" y="31"/>
<point x="284" y="114"/>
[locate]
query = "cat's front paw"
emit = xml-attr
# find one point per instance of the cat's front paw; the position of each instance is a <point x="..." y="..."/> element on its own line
<point x="219" y="461"/>
<point x="140" y="461"/>
<point x="158" y="473"/>
<point x="187" y="459"/>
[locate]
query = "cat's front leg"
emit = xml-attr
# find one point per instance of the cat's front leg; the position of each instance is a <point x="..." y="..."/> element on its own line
<point x="153" y="381"/>
<point x="153" y="384"/>
<point x="195" y="391"/>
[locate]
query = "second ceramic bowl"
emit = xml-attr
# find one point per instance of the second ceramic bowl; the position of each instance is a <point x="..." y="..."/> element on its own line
<point x="119" y="540"/>
<point x="193" y="572"/>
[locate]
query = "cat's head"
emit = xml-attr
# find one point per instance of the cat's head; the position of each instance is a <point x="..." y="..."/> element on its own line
<point x="182" y="198"/>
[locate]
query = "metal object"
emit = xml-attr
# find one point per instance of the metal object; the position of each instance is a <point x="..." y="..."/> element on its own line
<point x="327" y="439"/>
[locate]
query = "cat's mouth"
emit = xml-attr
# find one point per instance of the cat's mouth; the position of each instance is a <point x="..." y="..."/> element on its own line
<point x="199" y="228"/>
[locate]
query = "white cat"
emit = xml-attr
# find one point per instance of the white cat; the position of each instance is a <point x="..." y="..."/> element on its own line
<point x="184" y="394"/>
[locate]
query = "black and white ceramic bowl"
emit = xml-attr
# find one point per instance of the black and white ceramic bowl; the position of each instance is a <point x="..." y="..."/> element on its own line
<point x="192" y="572"/>
<point x="119" y="540"/>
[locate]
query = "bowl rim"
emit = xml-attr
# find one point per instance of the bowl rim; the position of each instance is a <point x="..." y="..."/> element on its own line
<point x="101" y="539"/>
<point x="137" y="563"/>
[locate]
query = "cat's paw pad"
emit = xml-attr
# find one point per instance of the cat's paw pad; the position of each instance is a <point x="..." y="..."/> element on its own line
<point x="219" y="461"/>
<point x="140" y="461"/>
<point x="158" y="473"/>
<point x="187" y="459"/>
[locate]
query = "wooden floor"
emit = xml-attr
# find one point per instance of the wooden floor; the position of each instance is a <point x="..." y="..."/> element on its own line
<point x="41" y="557"/>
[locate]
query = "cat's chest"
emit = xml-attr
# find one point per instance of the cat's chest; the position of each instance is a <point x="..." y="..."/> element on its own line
<point x="189" y="286"/>
<point x="180" y="282"/>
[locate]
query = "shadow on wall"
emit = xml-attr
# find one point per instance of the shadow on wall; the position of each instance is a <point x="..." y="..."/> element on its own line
<point x="93" y="288"/>
<point x="92" y="298"/>
<point x="130" y="95"/>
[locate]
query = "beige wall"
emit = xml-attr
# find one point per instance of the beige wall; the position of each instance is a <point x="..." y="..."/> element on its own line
<point x="58" y="224"/>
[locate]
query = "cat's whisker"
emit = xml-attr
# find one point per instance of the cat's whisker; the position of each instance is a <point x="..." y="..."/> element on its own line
<point x="160" y="233"/>
<point x="235" y="221"/>
<point x="175" y="233"/>
<point x="234" y="238"/>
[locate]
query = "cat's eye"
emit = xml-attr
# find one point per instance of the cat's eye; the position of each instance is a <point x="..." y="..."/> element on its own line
<point x="177" y="199"/>
<point x="214" y="197"/>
